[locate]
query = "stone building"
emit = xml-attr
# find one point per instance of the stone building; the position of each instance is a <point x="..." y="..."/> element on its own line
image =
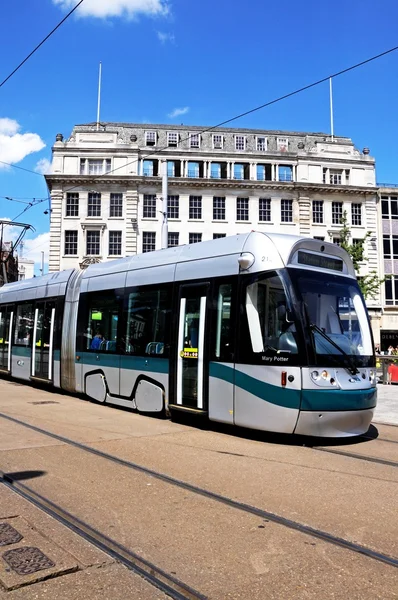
<point x="106" y="188"/>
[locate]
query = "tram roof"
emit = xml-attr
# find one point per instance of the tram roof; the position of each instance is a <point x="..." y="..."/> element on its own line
<point x="46" y="286"/>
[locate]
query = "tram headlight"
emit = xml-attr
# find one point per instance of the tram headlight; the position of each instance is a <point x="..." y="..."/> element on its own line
<point x="315" y="375"/>
<point x="371" y="375"/>
<point x="325" y="375"/>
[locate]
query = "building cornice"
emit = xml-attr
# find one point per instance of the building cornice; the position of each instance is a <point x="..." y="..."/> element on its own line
<point x="72" y="182"/>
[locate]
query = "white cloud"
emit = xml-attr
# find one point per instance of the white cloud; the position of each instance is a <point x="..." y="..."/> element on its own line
<point x="34" y="247"/>
<point x="117" y="8"/>
<point x="165" y="37"/>
<point x="43" y="166"/>
<point x="15" y="146"/>
<point x="178" y="111"/>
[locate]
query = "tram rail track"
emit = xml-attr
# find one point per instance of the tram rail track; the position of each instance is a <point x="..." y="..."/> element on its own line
<point x="372" y="459"/>
<point x="247" y="508"/>
<point x="157" y="577"/>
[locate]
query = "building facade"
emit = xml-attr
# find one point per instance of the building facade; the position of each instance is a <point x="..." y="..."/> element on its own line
<point x="106" y="189"/>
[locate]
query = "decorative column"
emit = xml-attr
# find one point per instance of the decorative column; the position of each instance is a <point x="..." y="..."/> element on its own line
<point x="131" y="224"/>
<point x="56" y="242"/>
<point x="304" y="216"/>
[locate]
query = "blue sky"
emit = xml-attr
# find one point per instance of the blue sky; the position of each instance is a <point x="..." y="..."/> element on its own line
<point x="211" y="59"/>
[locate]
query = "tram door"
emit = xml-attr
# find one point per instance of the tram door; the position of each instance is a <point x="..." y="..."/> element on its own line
<point x="6" y="318"/>
<point x="43" y="337"/>
<point x="192" y="370"/>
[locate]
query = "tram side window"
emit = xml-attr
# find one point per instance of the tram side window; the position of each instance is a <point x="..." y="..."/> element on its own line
<point x="24" y="325"/>
<point x="224" y="332"/>
<point x="102" y="321"/>
<point x="268" y="317"/>
<point x="147" y="317"/>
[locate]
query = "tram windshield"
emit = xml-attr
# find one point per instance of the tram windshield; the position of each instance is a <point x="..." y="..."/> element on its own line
<point x="336" y="313"/>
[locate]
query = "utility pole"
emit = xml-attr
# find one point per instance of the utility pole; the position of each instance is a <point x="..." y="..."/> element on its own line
<point x="42" y="263"/>
<point x="165" y="225"/>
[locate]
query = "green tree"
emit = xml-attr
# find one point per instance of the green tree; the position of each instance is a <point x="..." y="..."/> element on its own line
<point x="370" y="283"/>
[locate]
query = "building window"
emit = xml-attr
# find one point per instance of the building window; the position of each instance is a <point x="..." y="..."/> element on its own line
<point x="261" y="144"/>
<point x="94" y="204"/>
<point x="391" y="290"/>
<point x="71" y="242"/>
<point x="194" y="140"/>
<point x="148" y="241"/>
<point x="337" y="241"/>
<point x="242" y="209"/>
<point x="115" y="243"/>
<point x="93" y="243"/>
<point x="390" y="246"/>
<point x="218" y="208"/>
<point x="172" y="139"/>
<point x="149" y="206"/>
<point x="215" y="170"/>
<point x="72" y="205"/>
<point x="217" y="236"/>
<point x="264" y="209"/>
<point x="286" y="211"/>
<point x="95" y="166"/>
<point x="193" y="169"/>
<point x="282" y="144"/>
<point x="335" y="176"/>
<point x="337" y="213"/>
<point x="217" y="141"/>
<point x="150" y="168"/>
<point x="173" y="239"/>
<point x="356" y="214"/>
<point x="195" y="238"/>
<point x="150" y="138"/>
<point x="285" y="173"/>
<point x="389" y="207"/>
<point x="170" y="168"/>
<point x="173" y="207"/>
<point x="240" y="142"/>
<point x="195" y="207"/>
<point x="320" y="238"/>
<point x="239" y="171"/>
<point x="317" y="211"/>
<point x="116" y="205"/>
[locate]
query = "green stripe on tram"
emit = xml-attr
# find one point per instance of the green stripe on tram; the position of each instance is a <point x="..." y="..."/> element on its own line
<point x="331" y="400"/>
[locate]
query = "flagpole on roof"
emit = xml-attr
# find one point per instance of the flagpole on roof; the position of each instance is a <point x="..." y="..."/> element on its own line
<point x="331" y="108"/>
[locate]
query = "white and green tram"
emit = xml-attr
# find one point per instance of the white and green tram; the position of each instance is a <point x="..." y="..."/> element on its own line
<point x="259" y="330"/>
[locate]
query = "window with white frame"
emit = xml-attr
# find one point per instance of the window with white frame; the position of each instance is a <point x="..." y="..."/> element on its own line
<point x="195" y="238"/>
<point x="242" y="209"/>
<point x="286" y="211"/>
<point x="115" y="243"/>
<point x="282" y="144"/>
<point x="173" y="239"/>
<point x="149" y="168"/>
<point x="356" y="214"/>
<point x="337" y="241"/>
<point x="172" y="139"/>
<point x="150" y="138"/>
<point x="116" y="205"/>
<point x="148" y="241"/>
<point x="94" y="204"/>
<point x="337" y="213"/>
<point x="391" y="290"/>
<point x="195" y="207"/>
<point x="264" y="209"/>
<point x="217" y="141"/>
<point x="335" y="176"/>
<point x="239" y="171"/>
<point x="219" y="208"/>
<point x="71" y="242"/>
<point x="173" y="207"/>
<point x="240" y="142"/>
<point x="170" y="168"/>
<point x="193" y="169"/>
<point x="285" y="173"/>
<point x="390" y="246"/>
<point x="217" y="236"/>
<point x="194" y="140"/>
<point x="261" y="143"/>
<point x="93" y="243"/>
<point x="72" y="204"/>
<point x="95" y="166"/>
<point x="317" y="211"/>
<point x="149" y="206"/>
<point x="215" y="170"/>
<point x="389" y="207"/>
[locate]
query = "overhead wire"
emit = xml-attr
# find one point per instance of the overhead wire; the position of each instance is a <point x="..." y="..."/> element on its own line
<point x="41" y="43"/>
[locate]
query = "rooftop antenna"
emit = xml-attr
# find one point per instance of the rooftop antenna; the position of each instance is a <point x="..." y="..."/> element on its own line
<point x="99" y="95"/>
<point x="331" y="108"/>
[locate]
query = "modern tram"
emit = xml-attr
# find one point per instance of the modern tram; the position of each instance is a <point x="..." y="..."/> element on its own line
<point x="259" y="330"/>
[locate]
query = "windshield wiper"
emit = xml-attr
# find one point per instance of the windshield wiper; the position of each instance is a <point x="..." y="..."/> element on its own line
<point x="351" y="366"/>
